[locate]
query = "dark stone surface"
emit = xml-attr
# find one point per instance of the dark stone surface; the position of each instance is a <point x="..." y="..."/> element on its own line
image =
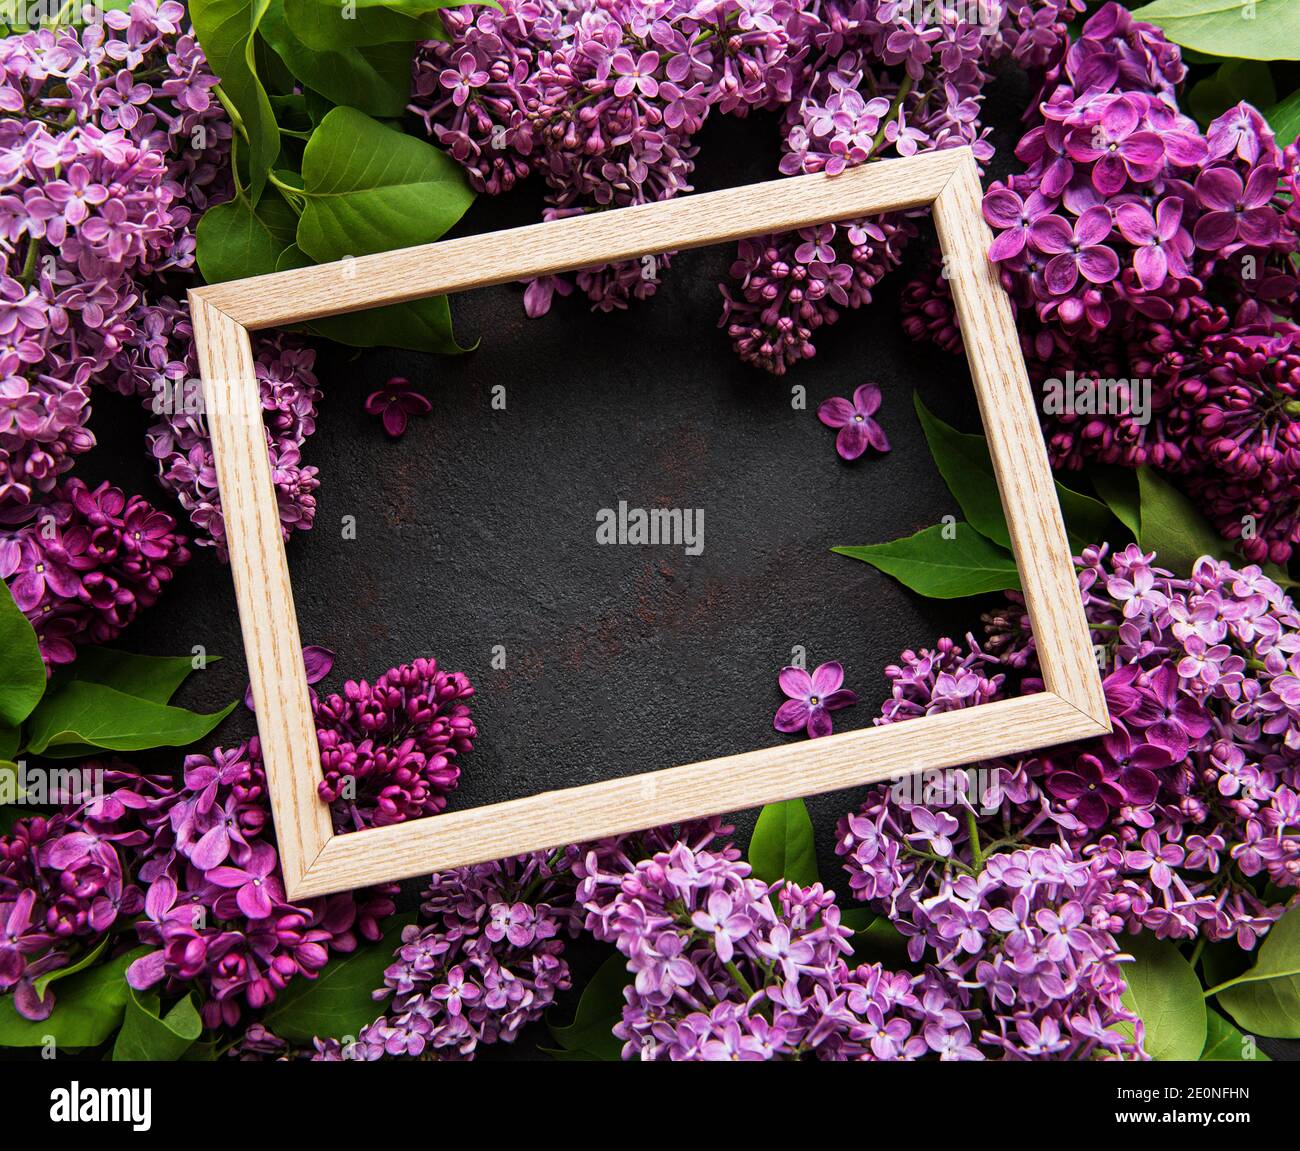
<point x="478" y="527"/>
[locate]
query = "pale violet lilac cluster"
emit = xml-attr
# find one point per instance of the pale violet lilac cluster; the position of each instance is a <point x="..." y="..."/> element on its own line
<point x="488" y="961"/>
<point x="83" y="563"/>
<point x="603" y="100"/>
<point x="1138" y="248"/>
<point x="112" y="141"/>
<point x="723" y="966"/>
<point x="876" y="78"/>
<point x="157" y="363"/>
<point x="1181" y="815"/>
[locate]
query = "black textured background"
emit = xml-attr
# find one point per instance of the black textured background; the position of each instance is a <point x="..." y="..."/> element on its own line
<point x="477" y="527"/>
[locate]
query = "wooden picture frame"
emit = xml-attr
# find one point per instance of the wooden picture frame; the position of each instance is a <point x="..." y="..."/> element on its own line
<point x="315" y="861"/>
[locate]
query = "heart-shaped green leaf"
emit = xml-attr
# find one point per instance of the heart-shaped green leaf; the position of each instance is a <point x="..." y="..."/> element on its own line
<point x="151" y="677"/>
<point x="320" y="25"/>
<point x="591" y="1034"/>
<point x="234" y="240"/>
<point x="374" y="77"/>
<point x="967" y="468"/>
<point x="1265" y="999"/>
<point x="148" y="1036"/>
<point x="1259" y="30"/>
<point x="368" y="188"/>
<point x="88" y="1008"/>
<point x="227" y="29"/>
<point x="1225" y="1044"/>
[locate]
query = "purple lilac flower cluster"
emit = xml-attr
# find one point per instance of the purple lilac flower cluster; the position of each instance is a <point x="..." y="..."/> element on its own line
<point x="1138" y="248"/>
<point x="488" y="961"/>
<point x="110" y="140"/>
<point x="114" y="143"/>
<point x="727" y="967"/>
<point x="388" y="749"/>
<point x="83" y="563"/>
<point x="63" y="880"/>
<point x="157" y="363"/>
<point x="601" y="99"/>
<point x="197" y="856"/>
<point x="877" y="77"/>
<point x="215" y="909"/>
<point x="1178" y="817"/>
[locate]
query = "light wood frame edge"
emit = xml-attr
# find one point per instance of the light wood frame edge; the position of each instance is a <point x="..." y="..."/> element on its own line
<point x="313" y="859"/>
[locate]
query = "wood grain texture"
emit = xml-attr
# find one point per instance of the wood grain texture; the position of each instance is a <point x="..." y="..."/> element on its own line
<point x="315" y="862"/>
<point x="1024" y="475"/>
<point x="579" y="242"/>
<point x="735" y="782"/>
<point x="233" y="404"/>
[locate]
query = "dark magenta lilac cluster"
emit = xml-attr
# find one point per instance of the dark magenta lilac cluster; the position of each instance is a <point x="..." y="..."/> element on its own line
<point x="1141" y="250"/>
<point x="195" y="859"/>
<point x="84" y="564"/>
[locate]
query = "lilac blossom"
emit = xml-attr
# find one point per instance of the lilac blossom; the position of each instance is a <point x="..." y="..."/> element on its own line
<point x="857" y="429"/>
<point x="81" y="565"/>
<point x="812" y="698"/>
<point x="395" y="403"/>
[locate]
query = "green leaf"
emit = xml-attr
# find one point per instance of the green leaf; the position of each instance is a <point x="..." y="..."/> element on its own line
<point x="88" y="1008"/>
<point x="41" y="982"/>
<point x="1088" y="521"/>
<point x="376" y="77"/>
<point x="319" y="26"/>
<point x="339" y="1002"/>
<point x="782" y="845"/>
<point x="1230" y="83"/>
<point x="1173" y="527"/>
<point x="82" y="715"/>
<point x="1258" y="30"/>
<point x="9" y="742"/>
<point x="1225" y="1044"/>
<point x="235" y="240"/>
<point x="1118" y="488"/>
<point x="966" y="564"/>
<point x="151" y="677"/>
<point x="879" y="941"/>
<point x="591" y="1034"/>
<point x="1164" y="992"/>
<point x="147" y="1037"/>
<point x="967" y="468"/>
<point x="22" y="671"/>
<point x="226" y="31"/>
<point x="1284" y="119"/>
<point x="369" y="188"/>
<point x="1265" y="1000"/>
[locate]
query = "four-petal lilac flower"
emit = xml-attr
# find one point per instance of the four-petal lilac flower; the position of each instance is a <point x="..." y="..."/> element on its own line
<point x="857" y="429"/>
